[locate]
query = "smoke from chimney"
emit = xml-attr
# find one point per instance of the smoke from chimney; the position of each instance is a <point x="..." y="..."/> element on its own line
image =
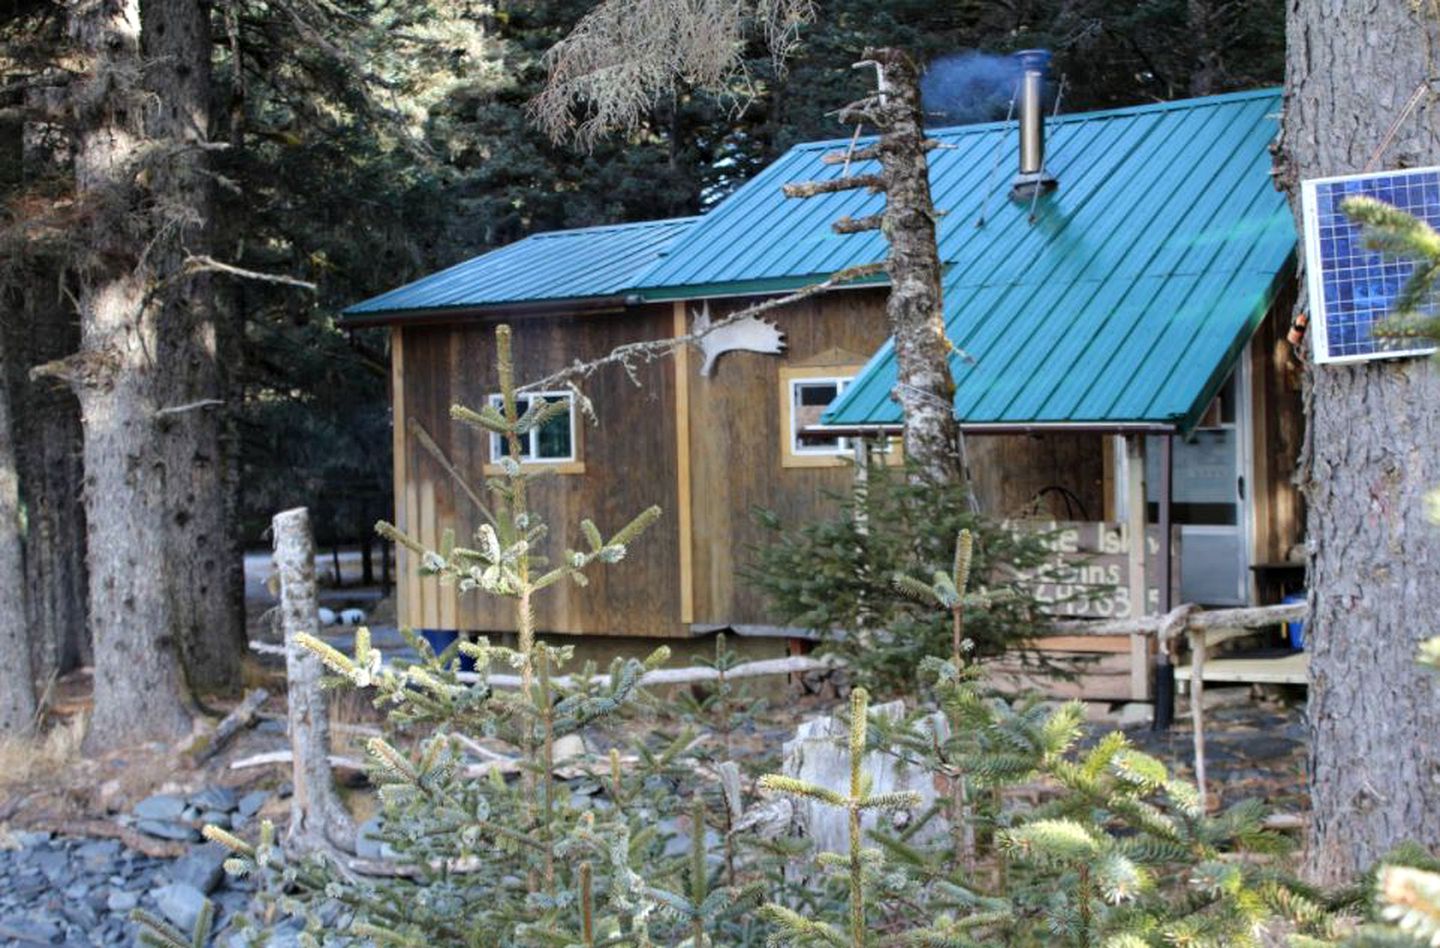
<point x="964" y="88"/>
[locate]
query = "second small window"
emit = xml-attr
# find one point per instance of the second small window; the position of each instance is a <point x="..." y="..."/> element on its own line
<point x="551" y="443"/>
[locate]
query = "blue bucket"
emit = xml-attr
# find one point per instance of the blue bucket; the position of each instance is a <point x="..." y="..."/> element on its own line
<point x="441" y="639"/>
<point x="1296" y="628"/>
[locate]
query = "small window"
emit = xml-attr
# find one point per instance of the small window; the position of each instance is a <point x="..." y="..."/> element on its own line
<point x="551" y="443"/>
<point x="808" y="400"/>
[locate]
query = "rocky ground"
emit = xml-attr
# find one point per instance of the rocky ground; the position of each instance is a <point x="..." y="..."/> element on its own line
<point x="81" y="891"/>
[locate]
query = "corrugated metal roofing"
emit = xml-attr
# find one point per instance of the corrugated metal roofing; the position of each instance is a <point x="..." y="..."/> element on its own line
<point x="1125" y="301"/>
<point x="559" y="265"/>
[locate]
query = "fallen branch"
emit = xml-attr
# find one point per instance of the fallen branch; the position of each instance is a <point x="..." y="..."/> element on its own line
<point x="131" y="837"/>
<point x="233" y="723"/>
<point x="790" y="665"/>
<point x="692" y="675"/>
<point x="287" y="757"/>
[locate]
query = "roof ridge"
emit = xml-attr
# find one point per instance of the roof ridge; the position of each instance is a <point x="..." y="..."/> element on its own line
<point x="596" y="228"/>
<point x="1169" y="105"/>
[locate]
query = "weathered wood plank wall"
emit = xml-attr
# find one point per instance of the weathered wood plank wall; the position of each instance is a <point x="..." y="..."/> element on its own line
<point x="628" y="463"/>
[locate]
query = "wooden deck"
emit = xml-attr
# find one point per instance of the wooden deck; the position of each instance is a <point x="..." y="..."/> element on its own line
<point x="1269" y="670"/>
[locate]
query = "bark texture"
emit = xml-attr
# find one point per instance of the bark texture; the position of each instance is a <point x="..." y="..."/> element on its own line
<point x="318" y="818"/>
<point x="203" y="562"/>
<point x="1373" y="451"/>
<point x="17" y="684"/>
<point x="45" y="420"/>
<point x="926" y="389"/>
<point x="138" y="678"/>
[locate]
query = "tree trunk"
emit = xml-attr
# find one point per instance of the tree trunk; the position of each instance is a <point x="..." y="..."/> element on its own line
<point x="203" y="561"/>
<point x="17" y="683"/>
<point x="138" y="679"/>
<point x="1373" y="452"/>
<point x="925" y="389"/>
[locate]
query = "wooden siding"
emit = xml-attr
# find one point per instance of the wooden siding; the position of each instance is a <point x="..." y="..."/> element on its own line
<point x="629" y="462"/>
<point x="721" y="465"/>
<point x="1278" y="430"/>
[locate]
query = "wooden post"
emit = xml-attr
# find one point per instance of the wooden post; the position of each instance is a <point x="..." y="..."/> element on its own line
<point x="1139" y="590"/>
<point x="318" y="820"/>
<point x="1197" y="707"/>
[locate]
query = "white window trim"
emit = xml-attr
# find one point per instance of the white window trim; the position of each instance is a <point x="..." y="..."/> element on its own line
<point x="496" y="451"/>
<point x="801" y="449"/>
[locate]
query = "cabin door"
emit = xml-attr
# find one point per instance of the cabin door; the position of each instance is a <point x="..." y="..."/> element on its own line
<point x="1210" y="498"/>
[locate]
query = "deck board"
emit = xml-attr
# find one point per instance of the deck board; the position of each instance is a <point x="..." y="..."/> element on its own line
<point x="1289" y="669"/>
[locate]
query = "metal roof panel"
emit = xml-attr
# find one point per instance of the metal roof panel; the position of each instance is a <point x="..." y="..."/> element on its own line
<point x="558" y="265"/>
<point x="1128" y="296"/>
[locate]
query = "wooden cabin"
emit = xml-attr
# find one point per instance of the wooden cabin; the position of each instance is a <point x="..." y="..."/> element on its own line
<point x="1134" y="313"/>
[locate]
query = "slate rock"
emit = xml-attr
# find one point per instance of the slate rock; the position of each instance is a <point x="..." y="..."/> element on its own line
<point x="202" y="868"/>
<point x="164" y="806"/>
<point x="181" y="904"/>
<point x="97" y="855"/>
<point x="31" y="929"/>
<point x="367" y="840"/>
<point x="54" y="863"/>
<point x="214" y="798"/>
<point x="27" y="839"/>
<point x="218" y="818"/>
<point x="251" y="802"/>
<point x="167" y="830"/>
<point x="121" y="901"/>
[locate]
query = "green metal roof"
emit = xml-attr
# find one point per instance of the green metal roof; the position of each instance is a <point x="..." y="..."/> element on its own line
<point x="1125" y="301"/>
<point x="560" y="265"/>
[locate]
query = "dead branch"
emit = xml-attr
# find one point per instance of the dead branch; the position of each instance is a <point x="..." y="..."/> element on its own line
<point x="854" y="225"/>
<point x="872" y="152"/>
<point x="631" y="353"/>
<point x="189" y="406"/>
<point x="805" y="189"/>
<point x="207" y="264"/>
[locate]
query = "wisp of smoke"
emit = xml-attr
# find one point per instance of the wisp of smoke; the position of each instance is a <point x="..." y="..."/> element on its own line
<point x="968" y="87"/>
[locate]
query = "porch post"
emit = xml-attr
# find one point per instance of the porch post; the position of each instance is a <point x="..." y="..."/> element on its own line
<point x="1135" y="530"/>
<point x="1164" y="669"/>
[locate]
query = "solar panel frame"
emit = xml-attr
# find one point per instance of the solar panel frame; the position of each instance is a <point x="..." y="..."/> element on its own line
<point x="1351" y="288"/>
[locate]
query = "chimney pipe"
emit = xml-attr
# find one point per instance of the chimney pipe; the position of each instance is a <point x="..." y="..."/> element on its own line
<point x="1032" y="178"/>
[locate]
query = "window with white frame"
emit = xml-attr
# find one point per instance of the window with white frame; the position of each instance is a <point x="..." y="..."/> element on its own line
<point x="551" y="443"/>
<point x="809" y="397"/>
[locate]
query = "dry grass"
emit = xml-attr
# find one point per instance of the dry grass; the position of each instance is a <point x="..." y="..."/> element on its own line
<point x="45" y="756"/>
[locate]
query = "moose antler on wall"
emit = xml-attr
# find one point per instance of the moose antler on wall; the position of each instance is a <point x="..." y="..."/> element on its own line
<point x="751" y="334"/>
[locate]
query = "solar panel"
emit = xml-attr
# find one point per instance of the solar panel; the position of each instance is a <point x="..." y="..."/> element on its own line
<point x="1353" y="288"/>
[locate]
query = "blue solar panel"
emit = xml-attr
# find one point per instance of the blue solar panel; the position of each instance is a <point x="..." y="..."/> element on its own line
<point x="1351" y="287"/>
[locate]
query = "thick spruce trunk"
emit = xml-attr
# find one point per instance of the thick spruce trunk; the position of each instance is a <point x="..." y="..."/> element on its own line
<point x="203" y="562"/>
<point x="17" y="683"/>
<point x="1373" y="451"/>
<point x="139" y="689"/>
<point x="926" y="389"/>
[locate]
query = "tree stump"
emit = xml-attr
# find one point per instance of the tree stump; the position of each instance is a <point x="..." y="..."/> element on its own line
<point x="318" y="819"/>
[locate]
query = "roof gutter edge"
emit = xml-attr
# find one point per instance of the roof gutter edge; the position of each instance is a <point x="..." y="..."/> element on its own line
<point x="999" y="428"/>
<point x="447" y="314"/>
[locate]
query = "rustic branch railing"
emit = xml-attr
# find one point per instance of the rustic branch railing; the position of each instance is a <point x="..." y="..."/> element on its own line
<point x="1197" y="625"/>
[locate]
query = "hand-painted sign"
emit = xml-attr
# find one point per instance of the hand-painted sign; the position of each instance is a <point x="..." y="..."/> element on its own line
<point x="1088" y="573"/>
